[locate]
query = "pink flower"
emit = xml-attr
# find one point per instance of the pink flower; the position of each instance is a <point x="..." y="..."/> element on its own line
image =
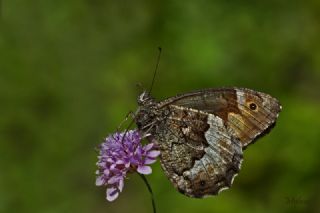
<point x="119" y="156"/>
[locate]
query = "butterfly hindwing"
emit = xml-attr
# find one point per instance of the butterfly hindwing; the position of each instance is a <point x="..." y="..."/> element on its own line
<point x="197" y="154"/>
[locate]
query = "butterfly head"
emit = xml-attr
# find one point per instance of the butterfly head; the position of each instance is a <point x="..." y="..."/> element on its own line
<point x="146" y="111"/>
<point x="145" y="99"/>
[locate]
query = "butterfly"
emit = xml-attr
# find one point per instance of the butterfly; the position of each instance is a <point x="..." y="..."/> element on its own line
<point x="202" y="134"/>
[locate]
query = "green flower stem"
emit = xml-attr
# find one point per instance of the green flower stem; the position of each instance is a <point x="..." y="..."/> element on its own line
<point x="150" y="190"/>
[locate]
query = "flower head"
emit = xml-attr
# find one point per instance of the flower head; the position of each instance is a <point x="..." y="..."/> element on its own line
<point x="119" y="154"/>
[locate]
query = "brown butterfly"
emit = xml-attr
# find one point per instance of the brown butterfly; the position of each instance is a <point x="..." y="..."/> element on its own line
<point x="202" y="134"/>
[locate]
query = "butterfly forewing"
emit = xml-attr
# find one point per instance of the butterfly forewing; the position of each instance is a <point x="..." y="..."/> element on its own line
<point x="246" y="113"/>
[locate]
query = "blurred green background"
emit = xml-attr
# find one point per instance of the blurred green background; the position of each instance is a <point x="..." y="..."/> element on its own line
<point x="68" y="75"/>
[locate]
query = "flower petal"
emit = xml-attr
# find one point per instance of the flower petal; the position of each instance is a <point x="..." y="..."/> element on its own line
<point x="112" y="194"/>
<point x="144" y="170"/>
<point x="120" y="185"/>
<point x="106" y="172"/>
<point x="148" y="147"/>
<point x="153" y="154"/>
<point x="100" y="181"/>
<point x="110" y="160"/>
<point x="120" y="161"/>
<point x="138" y="151"/>
<point x="149" y="160"/>
<point x="114" y="179"/>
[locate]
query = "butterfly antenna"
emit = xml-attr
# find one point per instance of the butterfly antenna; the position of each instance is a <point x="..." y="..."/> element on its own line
<point x="155" y="70"/>
<point x="126" y="131"/>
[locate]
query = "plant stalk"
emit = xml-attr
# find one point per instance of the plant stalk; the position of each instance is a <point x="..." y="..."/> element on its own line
<point x="150" y="190"/>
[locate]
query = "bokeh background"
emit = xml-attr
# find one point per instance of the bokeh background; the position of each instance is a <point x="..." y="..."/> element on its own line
<point x="68" y="75"/>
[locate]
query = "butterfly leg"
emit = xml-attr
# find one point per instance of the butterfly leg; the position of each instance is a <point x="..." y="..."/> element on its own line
<point x="130" y="114"/>
<point x="147" y="132"/>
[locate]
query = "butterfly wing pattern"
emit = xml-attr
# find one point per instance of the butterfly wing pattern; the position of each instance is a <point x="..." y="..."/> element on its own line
<point x="202" y="134"/>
